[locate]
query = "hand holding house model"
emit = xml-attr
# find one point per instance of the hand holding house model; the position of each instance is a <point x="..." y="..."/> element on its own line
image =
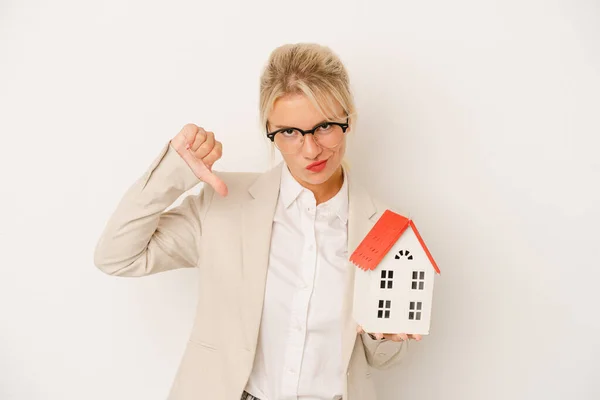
<point x="393" y="286"/>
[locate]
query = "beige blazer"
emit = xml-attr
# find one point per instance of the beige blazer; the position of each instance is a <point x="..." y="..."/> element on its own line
<point x="227" y="239"/>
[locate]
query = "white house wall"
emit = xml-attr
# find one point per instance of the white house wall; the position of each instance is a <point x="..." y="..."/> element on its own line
<point x="368" y="292"/>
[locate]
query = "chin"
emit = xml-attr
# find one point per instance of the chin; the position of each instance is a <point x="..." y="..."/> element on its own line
<point x="315" y="180"/>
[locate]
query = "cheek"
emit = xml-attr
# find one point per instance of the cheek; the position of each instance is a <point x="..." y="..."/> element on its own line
<point x="342" y="151"/>
<point x="339" y="154"/>
<point x="290" y="160"/>
<point x="295" y="163"/>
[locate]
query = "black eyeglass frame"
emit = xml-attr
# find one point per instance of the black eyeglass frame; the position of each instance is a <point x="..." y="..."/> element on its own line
<point x="271" y="135"/>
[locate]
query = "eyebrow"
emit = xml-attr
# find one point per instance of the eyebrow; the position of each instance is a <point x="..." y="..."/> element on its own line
<point x="287" y="126"/>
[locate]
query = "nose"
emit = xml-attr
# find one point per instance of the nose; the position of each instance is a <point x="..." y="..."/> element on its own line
<point x="310" y="148"/>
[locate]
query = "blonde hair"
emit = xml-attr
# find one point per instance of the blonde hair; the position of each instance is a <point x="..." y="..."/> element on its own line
<point x="310" y="69"/>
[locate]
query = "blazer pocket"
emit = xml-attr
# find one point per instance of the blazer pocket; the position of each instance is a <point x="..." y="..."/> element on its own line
<point x="205" y="345"/>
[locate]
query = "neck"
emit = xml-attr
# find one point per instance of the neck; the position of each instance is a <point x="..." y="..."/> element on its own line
<point x="326" y="190"/>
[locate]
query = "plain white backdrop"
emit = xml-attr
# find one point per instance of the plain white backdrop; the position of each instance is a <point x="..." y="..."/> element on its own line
<point x="480" y="117"/>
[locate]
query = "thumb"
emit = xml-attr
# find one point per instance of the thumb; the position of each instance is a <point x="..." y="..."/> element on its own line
<point x="215" y="182"/>
<point x="204" y="173"/>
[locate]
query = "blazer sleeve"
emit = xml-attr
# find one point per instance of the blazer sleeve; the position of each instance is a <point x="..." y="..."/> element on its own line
<point x="382" y="354"/>
<point x="141" y="238"/>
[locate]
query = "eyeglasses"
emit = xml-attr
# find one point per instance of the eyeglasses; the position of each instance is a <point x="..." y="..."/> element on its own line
<point x="327" y="135"/>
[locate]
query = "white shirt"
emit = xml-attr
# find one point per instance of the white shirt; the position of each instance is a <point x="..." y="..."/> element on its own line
<point x="299" y="345"/>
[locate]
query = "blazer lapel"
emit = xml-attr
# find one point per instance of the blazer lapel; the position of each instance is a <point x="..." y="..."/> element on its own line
<point x="257" y="223"/>
<point x="361" y="210"/>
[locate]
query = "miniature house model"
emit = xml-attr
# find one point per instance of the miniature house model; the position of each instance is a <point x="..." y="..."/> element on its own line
<point x="393" y="287"/>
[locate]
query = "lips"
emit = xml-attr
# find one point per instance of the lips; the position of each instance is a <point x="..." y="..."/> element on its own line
<point x="317" y="166"/>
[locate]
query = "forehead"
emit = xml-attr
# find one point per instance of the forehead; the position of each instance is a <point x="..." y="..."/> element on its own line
<point x="296" y="110"/>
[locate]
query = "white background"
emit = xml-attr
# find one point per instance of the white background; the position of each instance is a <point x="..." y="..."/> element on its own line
<point x="481" y="118"/>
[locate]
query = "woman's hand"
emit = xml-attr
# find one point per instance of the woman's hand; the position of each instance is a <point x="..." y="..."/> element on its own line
<point x="396" y="337"/>
<point x="200" y="150"/>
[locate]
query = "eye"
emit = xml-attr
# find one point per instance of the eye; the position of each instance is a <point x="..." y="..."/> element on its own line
<point x="324" y="127"/>
<point x="289" y="132"/>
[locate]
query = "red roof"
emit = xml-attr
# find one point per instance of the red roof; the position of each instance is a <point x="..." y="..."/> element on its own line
<point x="381" y="238"/>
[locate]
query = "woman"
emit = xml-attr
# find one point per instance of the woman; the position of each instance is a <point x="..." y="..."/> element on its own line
<point x="274" y="318"/>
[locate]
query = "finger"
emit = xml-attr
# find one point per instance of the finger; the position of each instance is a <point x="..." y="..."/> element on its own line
<point x="214" y="155"/>
<point x="379" y="336"/>
<point x="415" y="337"/>
<point x="359" y="329"/>
<point x="184" y="138"/>
<point x="198" y="167"/>
<point x="199" y="138"/>
<point x="204" y="144"/>
<point x="396" y="337"/>
<point x="189" y="134"/>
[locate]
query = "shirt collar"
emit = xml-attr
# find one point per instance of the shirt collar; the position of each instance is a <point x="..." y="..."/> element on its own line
<point x="339" y="202"/>
<point x="290" y="190"/>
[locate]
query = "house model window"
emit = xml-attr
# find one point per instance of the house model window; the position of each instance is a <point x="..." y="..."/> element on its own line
<point x="418" y="280"/>
<point x="386" y="279"/>
<point x="384" y="309"/>
<point x="415" y="312"/>
<point x="393" y="266"/>
<point x="404" y="253"/>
